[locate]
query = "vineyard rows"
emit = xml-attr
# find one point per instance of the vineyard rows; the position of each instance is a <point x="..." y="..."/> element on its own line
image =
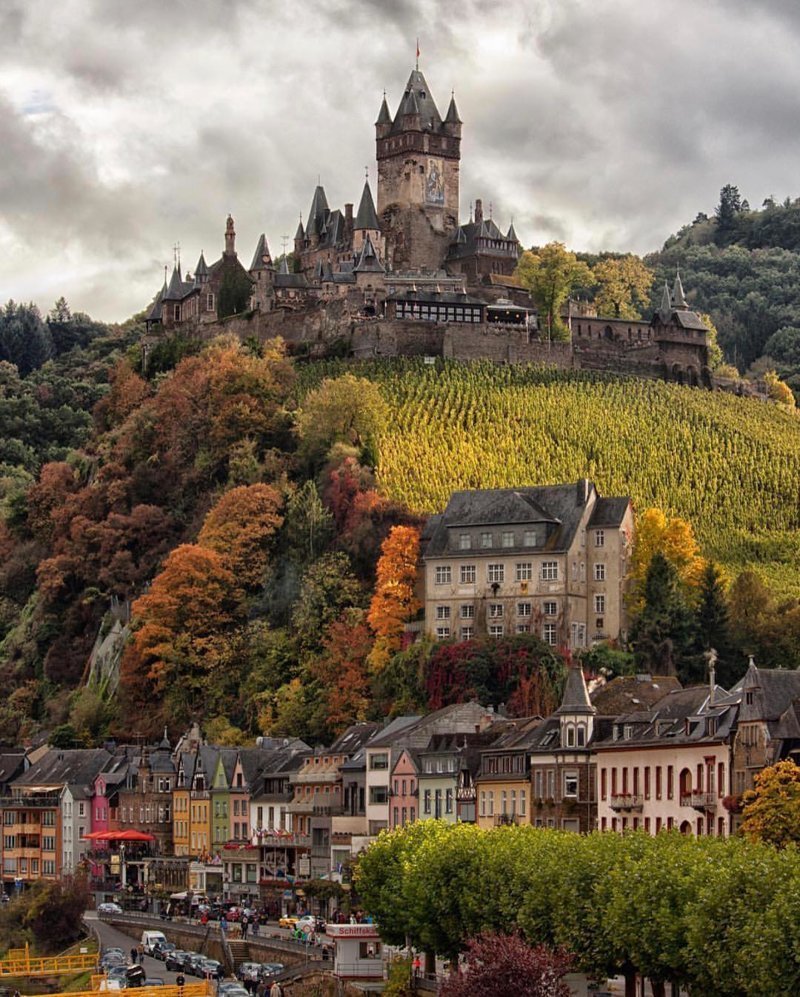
<point x="729" y="465"/>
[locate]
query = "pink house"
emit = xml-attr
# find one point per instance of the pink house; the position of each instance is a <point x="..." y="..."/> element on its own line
<point x="404" y="803"/>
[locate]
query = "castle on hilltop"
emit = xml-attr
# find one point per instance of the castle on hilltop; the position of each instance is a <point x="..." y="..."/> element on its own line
<point x="406" y="276"/>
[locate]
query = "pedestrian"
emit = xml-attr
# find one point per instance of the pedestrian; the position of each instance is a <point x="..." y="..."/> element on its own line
<point x="134" y="953"/>
<point x="276" y="990"/>
<point x="245" y="923"/>
<point x="223" y="924"/>
<point x="140" y="953"/>
<point x="417" y="965"/>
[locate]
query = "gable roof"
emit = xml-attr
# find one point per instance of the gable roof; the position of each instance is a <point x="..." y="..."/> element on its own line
<point x="63" y="767"/>
<point x="368" y="261"/>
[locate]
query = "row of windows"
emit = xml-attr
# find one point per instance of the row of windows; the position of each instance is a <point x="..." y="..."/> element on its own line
<point x="637" y="782"/>
<point x="701" y="826"/>
<point x="438" y="312"/>
<point x="486" y="540"/>
<point x="544" y="784"/>
<point x="496" y="610"/>
<point x="400" y="786"/>
<point x="511" y="803"/>
<point x="432" y="802"/>
<point x="146" y="814"/>
<point x="549" y="632"/>
<point x="523" y="572"/>
<point x="403" y="815"/>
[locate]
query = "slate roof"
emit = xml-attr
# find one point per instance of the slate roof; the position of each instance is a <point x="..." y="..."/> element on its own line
<point x="474" y="237"/>
<point x="178" y="288"/>
<point x="366" y="217"/>
<point x="384" y="117"/>
<point x="773" y="690"/>
<point x="392" y="731"/>
<point x="575" y="699"/>
<point x="318" y="213"/>
<point x="201" y="270"/>
<point x="63" y="767"/>
<point x="12" y="764"/>
<point x="609" y="512"/>
<point x="262" y="250"/>
<point x="368" y="261"/>
<point x="559" y="506"/>
<point x="627" y="693"/>
<point x="436" y="297"/>
<point x="154" y="314"/>
<point x="417" y="99"/>
<point x="350" y="740"/>
<point x="452" y="117"/>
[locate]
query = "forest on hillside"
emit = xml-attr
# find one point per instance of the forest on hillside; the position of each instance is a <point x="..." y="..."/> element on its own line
<point x="259" y="517"/>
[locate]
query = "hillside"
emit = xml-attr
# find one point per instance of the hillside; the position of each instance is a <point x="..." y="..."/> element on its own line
<point x="730" y="465"/>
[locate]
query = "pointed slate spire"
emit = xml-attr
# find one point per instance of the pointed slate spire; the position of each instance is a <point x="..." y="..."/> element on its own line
<point x="367" y="217"/>
<point x="201" y="271"/>
<point x="300" y="234"/>
<point x="384" y="117"/>
<point x="368" y="261"/>
<point x="261" y="257"/>
<point x="576" y="696"/>
<point x="512" y="235"/>
<point x="452" y="118"/>
<point x="284" y="267"/>
<point x="175" y="289"/>
<point x="678" y="297"/>
<point x="316" y="215"/>
<point x="665" y="312"/>
<point x="154" y="315"/>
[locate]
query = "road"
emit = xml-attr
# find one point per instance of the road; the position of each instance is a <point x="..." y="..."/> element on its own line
<point x="110" y="936"/>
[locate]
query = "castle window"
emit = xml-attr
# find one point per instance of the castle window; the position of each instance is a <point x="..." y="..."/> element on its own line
<point x="209" y="302"/>
<point x="176" y="313"/>
<point x="600" y="572"/>
<point x="443" y="575"/>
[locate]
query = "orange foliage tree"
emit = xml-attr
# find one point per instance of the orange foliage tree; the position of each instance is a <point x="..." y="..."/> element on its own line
<point x="340" y="670"/>
<point x="394" y="601"/>
<point x="240" y="528"/>
<point x="181" y="624"/>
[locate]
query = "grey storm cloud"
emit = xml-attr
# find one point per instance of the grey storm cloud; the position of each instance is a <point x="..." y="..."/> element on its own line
<point x="128" y="128"/>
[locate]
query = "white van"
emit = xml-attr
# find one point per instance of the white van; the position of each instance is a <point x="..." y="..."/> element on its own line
<point x="149" y="938"/>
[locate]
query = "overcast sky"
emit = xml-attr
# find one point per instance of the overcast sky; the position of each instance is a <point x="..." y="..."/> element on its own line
<point x="126" y="127"/>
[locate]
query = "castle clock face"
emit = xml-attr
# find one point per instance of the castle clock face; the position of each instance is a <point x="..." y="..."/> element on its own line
<point x="434" y="182"/>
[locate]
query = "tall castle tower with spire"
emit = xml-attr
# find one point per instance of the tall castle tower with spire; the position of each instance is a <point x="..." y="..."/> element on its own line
<point x="418" y="155"/>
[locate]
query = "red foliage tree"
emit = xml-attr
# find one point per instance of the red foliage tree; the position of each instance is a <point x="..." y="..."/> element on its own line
<point x="341" y="671"/>
<point x="507" y="965"/>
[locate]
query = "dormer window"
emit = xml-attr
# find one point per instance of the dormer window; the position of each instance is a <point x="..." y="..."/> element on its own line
<point x="749" y="698"/>
<point x="581" y="736"/>
<point x="628" y="732"/>
<point x="570" y="736"/>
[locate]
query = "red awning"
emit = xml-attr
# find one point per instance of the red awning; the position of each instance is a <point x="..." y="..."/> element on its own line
<point x="128" y="835"/>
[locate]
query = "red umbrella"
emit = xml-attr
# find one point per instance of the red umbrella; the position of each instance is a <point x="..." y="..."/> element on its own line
<point x="128" y="835"/>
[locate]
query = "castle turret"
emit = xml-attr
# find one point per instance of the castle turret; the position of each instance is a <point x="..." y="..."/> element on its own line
<point x="412" y="202"/>
<point x="366" y="224"/>
<point x="299" y="238"/>
<point x="452" y="122"/>
<point x="384" y="123"/>
<point x="201" y="271"/>
<point x="230" y="238"/>
<point x="678" y="297"/>
<point x="576" y="712"/>
<point x="317" y="217"/>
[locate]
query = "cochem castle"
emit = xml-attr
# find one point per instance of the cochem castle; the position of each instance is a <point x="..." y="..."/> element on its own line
<point x="405" y="276"/>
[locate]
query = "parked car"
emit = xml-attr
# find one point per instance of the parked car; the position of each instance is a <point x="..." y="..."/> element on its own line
<point x="192" y="963"/>
<point x="308" y="922"/>
<point x="288" y="921"/>
<point x="109" y="908"/>
<point x="162" y="949"/>
<point x="211" y="969"/>
<point x="232" y="988"/>
<point x="134" y="977"/>
<point x="270" y="969"/>
<point x="174" y="961"/>
<point x="118" y="973"/>
<point x="151" y="938"/>
<point x="153" y="981"/>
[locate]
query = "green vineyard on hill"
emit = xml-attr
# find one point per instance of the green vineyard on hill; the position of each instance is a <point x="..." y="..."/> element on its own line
<point x="730" y="465"/>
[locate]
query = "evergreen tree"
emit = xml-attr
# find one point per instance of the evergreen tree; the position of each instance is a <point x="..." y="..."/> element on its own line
<point x="663" y="632"/>
<point x="727" y="214"/>
<point x="25" y="340"/>
<point x="712" y="630"/>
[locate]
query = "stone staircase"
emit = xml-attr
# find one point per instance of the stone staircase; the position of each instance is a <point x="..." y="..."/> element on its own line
<point x="236" y="950"/>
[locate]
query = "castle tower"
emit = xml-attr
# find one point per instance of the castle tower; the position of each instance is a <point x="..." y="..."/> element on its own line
<point x="366" y="225"/>
<point x="418" y="157"/>
<point x="230" y="238"/>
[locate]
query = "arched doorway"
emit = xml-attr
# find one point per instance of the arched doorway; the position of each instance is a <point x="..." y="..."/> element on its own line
<point x="686" y="827"/>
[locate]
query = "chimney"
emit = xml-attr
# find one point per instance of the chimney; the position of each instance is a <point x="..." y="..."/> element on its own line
<point x="478" y="211"/>
<point x="583" y="491"/>
<point x="348" y="221"/>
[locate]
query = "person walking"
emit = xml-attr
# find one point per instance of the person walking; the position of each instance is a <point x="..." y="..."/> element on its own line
<point x="134" y="954"/>
<point x="276" y="990"/>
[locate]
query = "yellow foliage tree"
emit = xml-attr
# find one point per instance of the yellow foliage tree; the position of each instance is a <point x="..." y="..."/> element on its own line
<point x="624" y="286"/>
<point x="675" y="539"/>
<point x="772" y="810"/>
<point x="778" y="390"/>
<point x="394" y="601"/>
<point x="551" y="274"/>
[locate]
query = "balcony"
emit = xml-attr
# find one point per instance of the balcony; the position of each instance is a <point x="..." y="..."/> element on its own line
<point x="29" y="802"/>
<point x="701" y="801"/>
<point x="627" y="802"/>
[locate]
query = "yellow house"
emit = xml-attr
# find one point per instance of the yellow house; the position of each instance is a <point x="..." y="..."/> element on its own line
<point x="503" y="784"/>
<point x="192" y="813"/>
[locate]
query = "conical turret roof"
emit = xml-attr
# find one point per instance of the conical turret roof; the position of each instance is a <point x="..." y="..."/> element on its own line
<point x="678" y="297"/>
<point x="666" y="304"/>
<point x="317" y="212"/>
<point x="452" y="117"/>
<point x="367" y="216"/>
<point x="175" y="289"/>
<point x="417" y="99"/>
<point x="512" y="235"/>
<point x="576" y="696"/>
<point x="368" y="261"/>
<point x="261" y="257"/>
<point x="154" y="315"/>
<point x="201" y="270"/>
<point x="300" y="234"/>
<point x="384" y="117"/>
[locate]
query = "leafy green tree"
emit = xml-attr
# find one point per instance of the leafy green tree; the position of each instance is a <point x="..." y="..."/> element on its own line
<point x="551" y="274"/>
<point x="327" y="587"/>
<point x="25" y="340"/>
<point x="772" y="809"/>
<point x="235" y="290"/>
<point x="727" y="213"/>
<point x="662" y="633"/>
<point x="55" y="912"/>
<point x="624" y="284"/>
<point x="346" y="409"/>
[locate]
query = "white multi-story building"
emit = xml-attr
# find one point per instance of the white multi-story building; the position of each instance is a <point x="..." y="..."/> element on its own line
<point x="551" y="561"/>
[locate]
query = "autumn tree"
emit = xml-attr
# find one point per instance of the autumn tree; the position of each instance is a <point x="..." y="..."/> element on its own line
<point x="675" y="539"/>
<point x="179" y="625"/>
<point x="394" y="601"/>
<point x="772" y="809"/>
<point x="241" y="528"/>
<point x="340" y="675"/>
<point x="624" y="284"/>
<point x="551" y="274"/>
<point x="508" y="965"/>
<point x="346" y="409"/>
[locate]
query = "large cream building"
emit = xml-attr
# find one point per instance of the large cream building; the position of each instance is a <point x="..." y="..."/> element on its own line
<point x="550" y="560"/>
